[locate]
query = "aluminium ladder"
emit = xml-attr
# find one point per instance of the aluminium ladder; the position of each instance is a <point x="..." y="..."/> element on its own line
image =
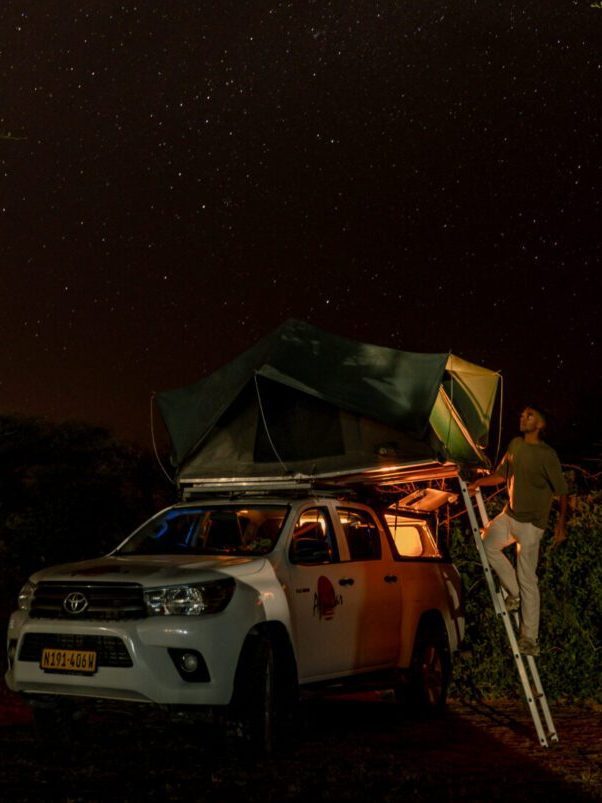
<point x="525" y="664"/>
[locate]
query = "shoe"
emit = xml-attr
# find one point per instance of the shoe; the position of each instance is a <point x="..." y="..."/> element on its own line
<point x="528" y="647"/>
<point x="512" y="603"/>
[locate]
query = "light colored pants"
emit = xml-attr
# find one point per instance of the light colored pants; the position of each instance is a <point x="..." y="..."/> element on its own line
<point x="501" y="532"/>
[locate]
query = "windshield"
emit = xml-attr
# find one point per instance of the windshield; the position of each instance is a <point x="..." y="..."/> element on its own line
<point x="217" y="530"/>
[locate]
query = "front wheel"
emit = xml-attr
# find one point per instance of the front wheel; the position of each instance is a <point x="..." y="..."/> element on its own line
<point x="258" y="706"/>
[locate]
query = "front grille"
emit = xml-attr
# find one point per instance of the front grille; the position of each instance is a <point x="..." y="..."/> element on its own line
<point x="110" y="650"/>
<point x="104" y="601"/>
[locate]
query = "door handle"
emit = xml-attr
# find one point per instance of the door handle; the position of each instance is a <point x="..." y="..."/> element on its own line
<point x="390" y="578"/>
<point x="346" y="581"/>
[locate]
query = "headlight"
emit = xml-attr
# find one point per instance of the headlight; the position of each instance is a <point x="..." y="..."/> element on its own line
<point x="194" y="599"/>
<point x="26" y="595"/>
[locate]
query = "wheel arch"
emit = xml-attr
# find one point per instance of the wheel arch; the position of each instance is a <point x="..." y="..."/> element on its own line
<point x="432" y="618"/>
<point x="278" y="636"/>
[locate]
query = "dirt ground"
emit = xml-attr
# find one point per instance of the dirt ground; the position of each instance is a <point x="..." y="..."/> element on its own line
<point x="348" y="749"/>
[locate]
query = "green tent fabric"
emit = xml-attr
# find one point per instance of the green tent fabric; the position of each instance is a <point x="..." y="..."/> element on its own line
<point x="304" y="401"/>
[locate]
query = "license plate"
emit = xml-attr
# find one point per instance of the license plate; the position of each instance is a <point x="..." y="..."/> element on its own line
<point x="83" y="661"/>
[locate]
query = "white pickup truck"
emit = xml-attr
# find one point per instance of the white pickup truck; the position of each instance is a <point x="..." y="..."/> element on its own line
<point x="238" y="604"/>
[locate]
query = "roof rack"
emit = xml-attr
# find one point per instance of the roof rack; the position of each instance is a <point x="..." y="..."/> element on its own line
<point x="386" y="479"/>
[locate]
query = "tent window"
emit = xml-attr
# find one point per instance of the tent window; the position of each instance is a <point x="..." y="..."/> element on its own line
<point x="301" y="427"/>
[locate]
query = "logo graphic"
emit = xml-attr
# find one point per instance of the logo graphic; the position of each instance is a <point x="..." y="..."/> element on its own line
<point x="326" y="599"/>
<point x="75" y="602"/>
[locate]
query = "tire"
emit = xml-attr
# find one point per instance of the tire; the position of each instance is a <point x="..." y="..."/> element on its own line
<point x="430" y="671"/>
<point x="255" y="712"/>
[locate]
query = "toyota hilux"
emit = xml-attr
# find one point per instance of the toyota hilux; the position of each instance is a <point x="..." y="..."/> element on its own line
<point x="237" y="605"/>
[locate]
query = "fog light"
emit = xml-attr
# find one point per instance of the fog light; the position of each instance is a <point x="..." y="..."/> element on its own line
<point x="189" y="662"/>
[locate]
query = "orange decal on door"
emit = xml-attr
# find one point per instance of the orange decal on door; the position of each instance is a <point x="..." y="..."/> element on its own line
<point x="326" y="599"/>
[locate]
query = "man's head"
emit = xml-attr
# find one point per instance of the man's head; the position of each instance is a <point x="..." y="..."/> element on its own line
<point x="533" y="421"/>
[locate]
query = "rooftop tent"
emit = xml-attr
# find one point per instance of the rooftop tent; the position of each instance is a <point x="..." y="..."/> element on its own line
<point x="302" y="401"/>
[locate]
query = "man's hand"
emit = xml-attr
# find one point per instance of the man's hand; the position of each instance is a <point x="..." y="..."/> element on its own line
<point x="560" y="529"/>
<point x="488" y="480"/>
<point x="559" y="534"/>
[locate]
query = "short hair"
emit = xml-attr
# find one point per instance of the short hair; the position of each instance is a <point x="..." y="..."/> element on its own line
<point x="542" y="412"/>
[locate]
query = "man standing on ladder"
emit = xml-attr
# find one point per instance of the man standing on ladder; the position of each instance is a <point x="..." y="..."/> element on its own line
<point x="532" y="472"/>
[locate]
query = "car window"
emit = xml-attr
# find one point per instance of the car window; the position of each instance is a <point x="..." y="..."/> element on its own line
<point x="208" y="530"/>
<point x="313" y="540"/>
<point x="412" y="539"/>
<point x="361" y="533"/>
<point x="408" y="542"/>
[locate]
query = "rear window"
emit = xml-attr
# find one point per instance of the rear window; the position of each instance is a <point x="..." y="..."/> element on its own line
<point x="412" y="538"/>
<point x="212" y="530"/>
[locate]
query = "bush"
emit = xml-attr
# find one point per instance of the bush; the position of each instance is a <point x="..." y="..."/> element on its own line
<point x="67" y="492"/>
<point x="570" y="581"/>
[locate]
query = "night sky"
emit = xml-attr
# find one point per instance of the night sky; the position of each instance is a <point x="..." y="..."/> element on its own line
<point x="178" y="178"/>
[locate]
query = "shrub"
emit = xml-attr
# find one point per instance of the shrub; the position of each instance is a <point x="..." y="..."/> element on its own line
<point x="570" y="581"/>
<point x="67" y="492"/>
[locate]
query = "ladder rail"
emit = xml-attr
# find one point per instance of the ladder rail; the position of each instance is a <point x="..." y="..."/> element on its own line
<point x="527" y="670"/>
<point x="531" y="663"/>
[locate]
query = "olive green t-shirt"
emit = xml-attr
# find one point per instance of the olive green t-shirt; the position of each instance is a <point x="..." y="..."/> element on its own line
<point x="534" y="476"/>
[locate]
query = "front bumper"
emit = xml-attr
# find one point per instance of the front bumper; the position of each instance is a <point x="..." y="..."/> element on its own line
<point x="153" y="676"/>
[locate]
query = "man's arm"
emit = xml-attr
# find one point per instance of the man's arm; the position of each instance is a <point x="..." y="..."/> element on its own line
<point x="560" y="529"/>
<point x="559" y="487"/>
<point x="490" y="479"/>
<point x="498" y="476"/>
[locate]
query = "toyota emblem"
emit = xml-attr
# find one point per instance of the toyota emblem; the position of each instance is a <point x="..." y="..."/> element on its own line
<point x="75" y="602"/>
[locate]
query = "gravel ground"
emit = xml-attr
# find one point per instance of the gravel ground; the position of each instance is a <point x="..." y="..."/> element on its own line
<point x="348" y="749"/>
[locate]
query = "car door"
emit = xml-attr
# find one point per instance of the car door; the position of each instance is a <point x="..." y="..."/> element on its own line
<point x="322" y="602"/>
<point x="428" y="582"/>
<point x="374" y="581"/>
